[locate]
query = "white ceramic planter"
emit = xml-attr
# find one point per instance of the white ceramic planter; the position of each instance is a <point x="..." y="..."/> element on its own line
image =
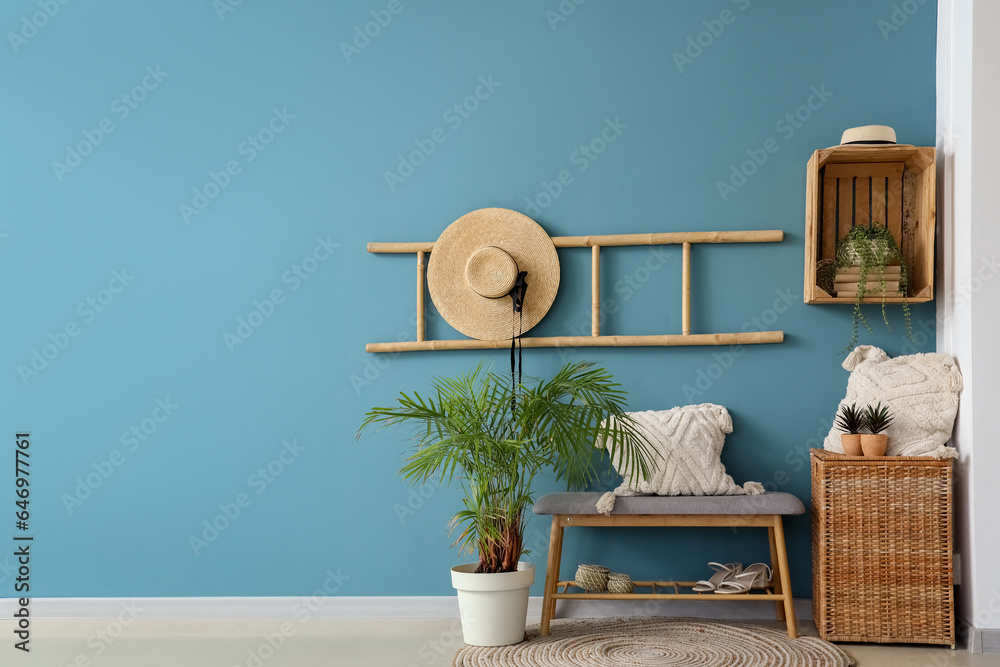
<point x="494" y="607"/>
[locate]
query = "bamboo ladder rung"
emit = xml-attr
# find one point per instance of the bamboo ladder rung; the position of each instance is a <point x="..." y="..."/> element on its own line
<point x="661" y="238"/>
<point x="655" y="340"/>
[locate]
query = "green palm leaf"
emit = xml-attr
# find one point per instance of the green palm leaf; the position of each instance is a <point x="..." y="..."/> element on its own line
<point x="496" y="438"/>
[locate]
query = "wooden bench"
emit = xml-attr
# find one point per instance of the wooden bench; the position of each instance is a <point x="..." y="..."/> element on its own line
<point x="579" y="509"/>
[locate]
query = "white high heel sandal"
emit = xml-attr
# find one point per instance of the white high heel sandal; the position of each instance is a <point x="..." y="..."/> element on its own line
<point x="723" y="573"/>
<point x="757" y="575"/>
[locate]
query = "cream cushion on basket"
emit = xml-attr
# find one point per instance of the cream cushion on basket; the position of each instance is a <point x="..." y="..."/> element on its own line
<point x="921" y="391"/>
<point x="689" y="441"/>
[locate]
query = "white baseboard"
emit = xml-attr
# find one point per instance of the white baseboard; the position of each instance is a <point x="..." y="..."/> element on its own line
<point x="989" y="640"/>
<point x="979" y="640"/>
<point x="368" y="607"/>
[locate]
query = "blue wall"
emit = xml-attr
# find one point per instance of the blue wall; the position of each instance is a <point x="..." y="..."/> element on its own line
<point x="170" y="168"/>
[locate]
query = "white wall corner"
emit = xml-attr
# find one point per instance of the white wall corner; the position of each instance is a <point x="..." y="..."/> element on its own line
<point x="954" y="99"/>
<point x="968" y="307"/>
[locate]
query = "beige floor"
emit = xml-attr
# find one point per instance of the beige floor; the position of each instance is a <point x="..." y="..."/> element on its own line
<point x="319" y="642"/>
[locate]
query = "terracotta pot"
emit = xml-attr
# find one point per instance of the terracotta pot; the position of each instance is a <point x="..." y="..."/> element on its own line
<point x="874" y="445"/>
<point x="851" y="443"/>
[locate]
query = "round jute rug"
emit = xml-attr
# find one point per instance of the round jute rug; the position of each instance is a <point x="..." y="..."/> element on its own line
<point x="628" y="642"/>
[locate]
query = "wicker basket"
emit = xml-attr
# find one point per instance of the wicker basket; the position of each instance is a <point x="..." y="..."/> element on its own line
<point x="592" y="578"/>
<point x="882" y="549"/>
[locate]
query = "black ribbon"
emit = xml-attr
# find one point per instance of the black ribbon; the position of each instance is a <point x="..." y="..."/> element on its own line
<point x="517" y="296"/>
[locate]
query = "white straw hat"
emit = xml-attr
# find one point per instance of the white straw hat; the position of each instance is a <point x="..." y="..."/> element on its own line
<point x="868" y="136"/>
<point x="476" y="263"/>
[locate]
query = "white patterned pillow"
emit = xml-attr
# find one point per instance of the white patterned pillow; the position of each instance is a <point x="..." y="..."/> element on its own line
<point x="689" y="440"/>
<point x="921" y="391"/>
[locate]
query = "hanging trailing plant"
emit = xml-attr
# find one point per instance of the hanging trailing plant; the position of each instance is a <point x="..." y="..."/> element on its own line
<point x="871" y="249"/>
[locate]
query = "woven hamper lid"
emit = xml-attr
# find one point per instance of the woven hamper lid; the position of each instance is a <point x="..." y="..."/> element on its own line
<point x="475" y="264"/>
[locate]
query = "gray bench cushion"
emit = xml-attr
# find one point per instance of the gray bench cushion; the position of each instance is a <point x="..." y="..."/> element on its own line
<point x="586" y="503"/>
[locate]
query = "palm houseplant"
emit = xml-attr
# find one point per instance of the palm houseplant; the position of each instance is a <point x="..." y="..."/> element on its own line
<point x="494" y="437"/>
<point x="871" y="250"/>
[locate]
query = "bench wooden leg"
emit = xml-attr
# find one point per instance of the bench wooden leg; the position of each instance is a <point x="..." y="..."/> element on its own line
<point x="552" y="574"/>
<point x="783" y="576"/>
<point x="780" y="604"/>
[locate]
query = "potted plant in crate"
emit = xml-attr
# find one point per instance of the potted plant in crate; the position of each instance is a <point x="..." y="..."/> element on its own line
<point x="496" y="437"/>
<point x="877" y="419"/>
<point x="850" y="420"/>
<point x="870" y="250"/>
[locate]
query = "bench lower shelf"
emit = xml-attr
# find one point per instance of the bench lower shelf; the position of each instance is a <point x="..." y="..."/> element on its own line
<point x="653" y="595"/>
<point x="780" y="592"/>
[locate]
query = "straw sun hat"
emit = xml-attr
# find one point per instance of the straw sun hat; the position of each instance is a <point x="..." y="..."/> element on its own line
<point x="475" y="265"/>
<point x="868" y="135"/>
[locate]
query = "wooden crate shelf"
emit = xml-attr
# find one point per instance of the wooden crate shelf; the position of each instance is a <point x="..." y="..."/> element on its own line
<point x="893" y="185"/>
